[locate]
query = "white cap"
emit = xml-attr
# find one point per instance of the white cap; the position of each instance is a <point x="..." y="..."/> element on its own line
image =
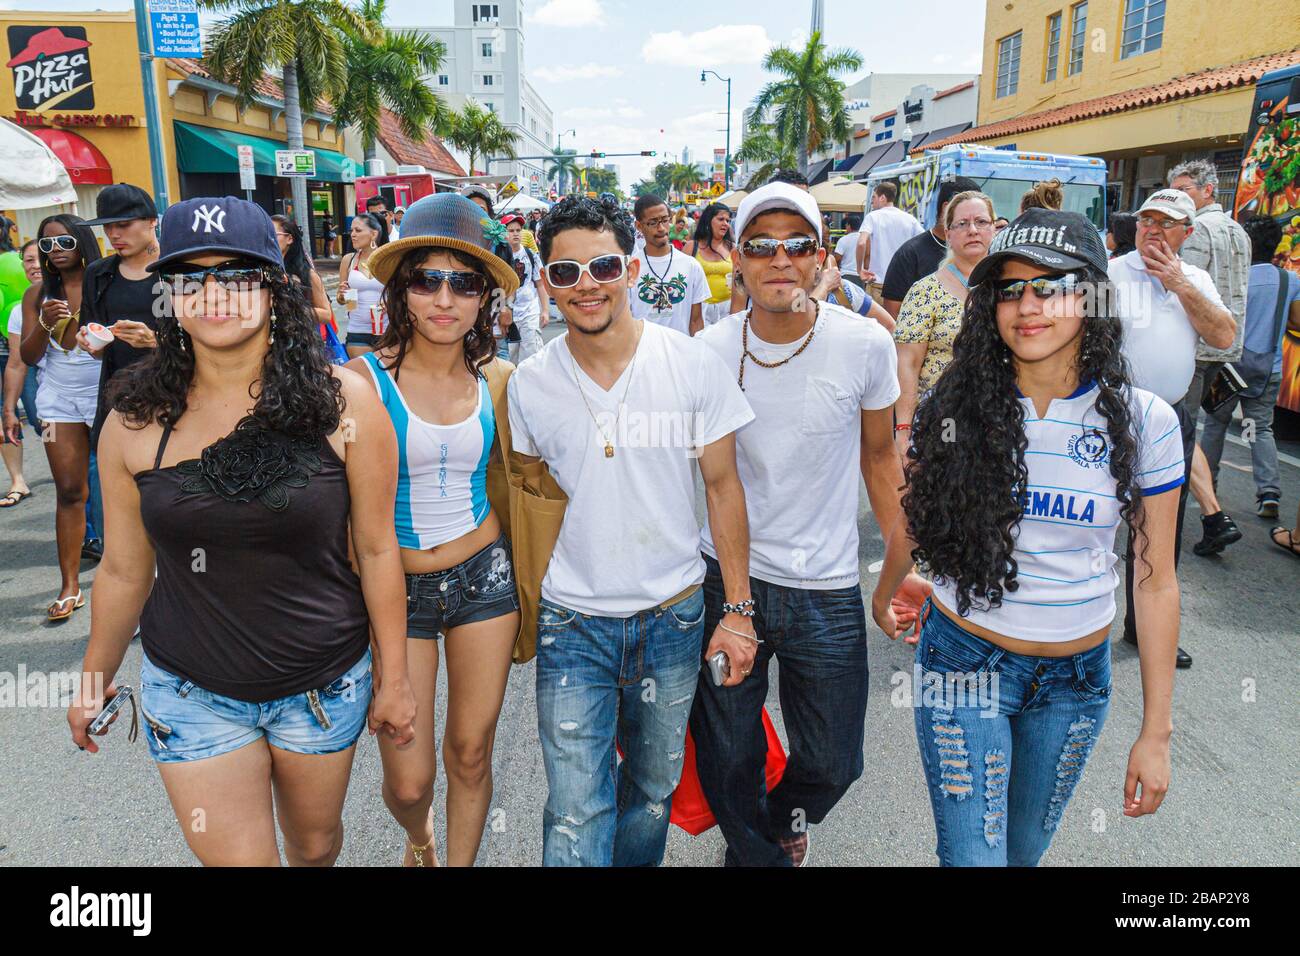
<point x="1174" y="203"/>
<point x="778" y="196"/>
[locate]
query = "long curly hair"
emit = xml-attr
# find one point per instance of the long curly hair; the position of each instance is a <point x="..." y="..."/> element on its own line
<point x="480" y="345"/>
<point x="966" y="468"/>
<point x="297" y="393"/>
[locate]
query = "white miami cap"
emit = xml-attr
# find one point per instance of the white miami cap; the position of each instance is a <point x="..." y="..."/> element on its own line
<point x="776" y="196"/>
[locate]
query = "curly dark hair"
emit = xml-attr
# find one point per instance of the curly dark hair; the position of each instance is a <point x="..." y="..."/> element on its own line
<point x="87" y="248"/>
<point x="297" y="393"/>
<point x="480" y="345"/>
<point x="962" y="499"/>
<point x="579" y="212"/>
<point x="295" y="257"/>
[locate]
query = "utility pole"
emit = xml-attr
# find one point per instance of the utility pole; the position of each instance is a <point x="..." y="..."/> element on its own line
<point x="726" y="160"/>
<point x="157" y="164"/>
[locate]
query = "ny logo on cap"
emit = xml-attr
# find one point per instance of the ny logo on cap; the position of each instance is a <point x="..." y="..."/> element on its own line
<point x="213" y="217"/>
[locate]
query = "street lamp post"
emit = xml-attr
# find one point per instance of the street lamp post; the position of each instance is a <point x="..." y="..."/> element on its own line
<point x="559" y="138"/>
<point x="726" y="160"/>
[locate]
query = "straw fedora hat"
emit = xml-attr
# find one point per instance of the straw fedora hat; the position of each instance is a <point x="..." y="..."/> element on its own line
<point x="445" y="221"/>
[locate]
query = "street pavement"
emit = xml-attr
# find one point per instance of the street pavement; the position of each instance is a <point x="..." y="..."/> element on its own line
<point x="1233" y="799"/>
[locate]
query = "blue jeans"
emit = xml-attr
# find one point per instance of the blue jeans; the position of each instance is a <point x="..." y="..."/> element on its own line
<point x="94" y="502"/>
<point x="1263" y="446"/>
<point x="601" y="677"/>
<point x="1004" y="739"/>
<point x="26" y="404"/>
<point x="820" y="639"/>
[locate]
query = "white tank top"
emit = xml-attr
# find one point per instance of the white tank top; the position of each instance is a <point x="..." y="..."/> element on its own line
<point x="367" y="318"/>
<point x="441" y="469"/>
<point x="74" y="372"/>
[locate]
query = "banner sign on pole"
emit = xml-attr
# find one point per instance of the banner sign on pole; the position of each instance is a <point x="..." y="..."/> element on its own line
<point x="174" y="27"/>
<point x="295" y="162"/>
<point x="719" y="165"/>
<point x="247" y="174"/>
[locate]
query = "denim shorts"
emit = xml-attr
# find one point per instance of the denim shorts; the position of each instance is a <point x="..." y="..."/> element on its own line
<point x="478" y="589"/>
<point x="185" y="722"/>
<point x="366" y="339"/>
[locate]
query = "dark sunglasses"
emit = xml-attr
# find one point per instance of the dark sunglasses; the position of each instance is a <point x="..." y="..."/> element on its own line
<point x="566" y="273"/>
<point x="1043" y="287"/>
<point x="795" y="248"/>
<point x="429" y="282"/>
<point x="232" y="271"/>
<point x="48" y="244"/>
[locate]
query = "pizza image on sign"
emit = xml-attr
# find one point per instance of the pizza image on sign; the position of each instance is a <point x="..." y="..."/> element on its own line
<point x="51" y="68"/>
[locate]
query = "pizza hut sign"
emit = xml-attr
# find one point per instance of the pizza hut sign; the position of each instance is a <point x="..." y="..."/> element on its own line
<point x="51" y="68"/>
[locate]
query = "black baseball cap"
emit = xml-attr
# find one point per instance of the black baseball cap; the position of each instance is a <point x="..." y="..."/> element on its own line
<point x="217" y="224"/>
<point x="1064" y="241"/>
<point x="122" y="202"/>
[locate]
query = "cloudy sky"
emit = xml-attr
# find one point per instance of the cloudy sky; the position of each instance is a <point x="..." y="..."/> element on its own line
<point x="626" y="73"/>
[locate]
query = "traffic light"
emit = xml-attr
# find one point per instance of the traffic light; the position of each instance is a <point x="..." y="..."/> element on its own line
<point x="649" y="152"/>
<point x="596" y="155"/>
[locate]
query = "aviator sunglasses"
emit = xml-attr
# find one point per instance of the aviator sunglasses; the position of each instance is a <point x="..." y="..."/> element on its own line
<point x="237" y="271"/>
<point x="1043" y="287"/>
<point x="566" y="273"/>
<point x="48" y="244"/>
<point x="430" y="282"/>
<point x="795" y="248"/>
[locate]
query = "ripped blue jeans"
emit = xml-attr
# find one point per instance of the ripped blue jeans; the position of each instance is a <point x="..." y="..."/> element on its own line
<point x="1004" y="739"/>
<point x="601" y="678"/>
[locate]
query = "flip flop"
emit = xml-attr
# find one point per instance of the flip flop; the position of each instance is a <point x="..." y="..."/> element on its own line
<point x="60" y="614"/>
<point x="1291" y="550"/>
<point x="13" y="498"/>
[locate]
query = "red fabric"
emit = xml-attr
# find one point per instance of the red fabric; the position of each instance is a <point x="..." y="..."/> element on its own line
<point x="690" y="809"/>
<point x="86" y="165"/>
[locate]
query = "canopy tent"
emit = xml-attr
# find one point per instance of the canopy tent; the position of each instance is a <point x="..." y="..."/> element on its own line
<point x="522" y="202"/>
<point x="31" y="175"/>
<point x="840" y="194"/>
<point x="732" y="199"/>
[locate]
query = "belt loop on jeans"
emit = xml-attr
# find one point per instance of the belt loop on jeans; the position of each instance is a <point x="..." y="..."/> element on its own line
<point x="925" y="612"/>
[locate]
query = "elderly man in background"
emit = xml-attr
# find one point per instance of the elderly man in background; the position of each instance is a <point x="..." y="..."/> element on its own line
<point x="1221" y="247"/>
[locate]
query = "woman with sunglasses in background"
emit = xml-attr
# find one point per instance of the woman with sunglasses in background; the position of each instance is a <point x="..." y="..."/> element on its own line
<point x="240" y="465"/>
<point x="930" y="317"/>
<point x="69" y="385"/>
<point x="289" y="238"/>
<point x="1029" y="452"/>
<point x="358" y="289"/>
<point x="441" y="278"/>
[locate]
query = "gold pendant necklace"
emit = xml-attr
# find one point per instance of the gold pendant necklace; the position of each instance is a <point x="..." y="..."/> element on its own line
<point x="609" y="442"/>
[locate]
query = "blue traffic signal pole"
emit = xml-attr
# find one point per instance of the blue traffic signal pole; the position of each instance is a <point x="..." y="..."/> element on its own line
<point x="726" y="161"/>
<point x="153" y="118"/>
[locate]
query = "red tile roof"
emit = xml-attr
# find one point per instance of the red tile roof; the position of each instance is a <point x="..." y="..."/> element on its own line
<point x="953" y="89"/>
<point x="430" y="154"/>
<point x="1179" y="87"/>
<point x="861" y="133"/>
<point x="269" y="86"/>
<point x="883" y="115"/>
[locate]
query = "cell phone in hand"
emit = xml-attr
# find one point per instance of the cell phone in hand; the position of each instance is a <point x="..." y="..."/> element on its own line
<point x="105" y="716"/>
<point x="720" y="668"/>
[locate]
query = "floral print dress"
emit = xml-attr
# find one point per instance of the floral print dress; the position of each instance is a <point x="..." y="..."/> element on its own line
<point x="930" y="314"/>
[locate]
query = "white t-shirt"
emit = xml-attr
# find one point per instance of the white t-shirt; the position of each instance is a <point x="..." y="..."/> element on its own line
<point x="799" y="458"/>
<point x="847" y="251"/>
<point x="629" y="540"/>
<point x="1065" y="545"/>
<point x="525" y="305"/>
<point x="15" y="327"/>
<point x="889" y="227"/>
<point x="667" y="289"/>
<point x="1159" y="339"/>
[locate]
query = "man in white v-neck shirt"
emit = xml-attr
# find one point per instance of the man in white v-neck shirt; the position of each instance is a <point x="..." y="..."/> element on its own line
<point x="618" y="409"/>
<point x="671" y="287"/>
<point x="822" y="383"/>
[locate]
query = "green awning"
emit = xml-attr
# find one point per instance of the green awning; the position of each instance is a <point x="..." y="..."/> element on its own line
<point x="204" y="149"/>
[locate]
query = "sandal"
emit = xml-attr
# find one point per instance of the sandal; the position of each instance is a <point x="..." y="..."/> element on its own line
<point x="55" y="611"/>
<point x="419" y="851"/>
<point x="1289" y="549"/>
<point x="13" y="498"/>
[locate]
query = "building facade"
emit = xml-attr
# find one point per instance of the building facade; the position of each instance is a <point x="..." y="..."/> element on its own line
<point x="1143" y="84"/>
<point x="485" y="62"/>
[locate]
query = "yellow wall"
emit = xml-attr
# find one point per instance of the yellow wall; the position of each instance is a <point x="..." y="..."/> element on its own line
<point x="1198" y="34"/>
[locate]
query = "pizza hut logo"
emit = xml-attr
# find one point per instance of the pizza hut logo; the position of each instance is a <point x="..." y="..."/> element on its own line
<point x="51" y="68"/>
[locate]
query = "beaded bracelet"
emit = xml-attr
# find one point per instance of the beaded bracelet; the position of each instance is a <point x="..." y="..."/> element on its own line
<point x="744" y="608"/>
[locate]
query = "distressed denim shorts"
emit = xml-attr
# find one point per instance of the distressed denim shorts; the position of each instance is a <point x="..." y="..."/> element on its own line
<point x="478" y="589"/>
<point x="183" y="721"/>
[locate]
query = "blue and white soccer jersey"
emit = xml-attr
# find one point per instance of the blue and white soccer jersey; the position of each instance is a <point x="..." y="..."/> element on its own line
<point x="441" y="469"/>
<point x="1065" y="546"/>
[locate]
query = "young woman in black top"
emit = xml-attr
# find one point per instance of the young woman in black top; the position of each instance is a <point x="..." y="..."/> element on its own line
<point x="236" y="462"/>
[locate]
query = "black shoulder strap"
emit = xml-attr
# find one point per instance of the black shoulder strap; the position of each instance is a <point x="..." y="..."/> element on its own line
<point x="162" y="446"/>
<point x="1279" y="315"/>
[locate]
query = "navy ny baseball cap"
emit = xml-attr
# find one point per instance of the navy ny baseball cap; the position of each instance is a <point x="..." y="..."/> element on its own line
<point x="217" y="224"/>
<point x="1061" y="241"/>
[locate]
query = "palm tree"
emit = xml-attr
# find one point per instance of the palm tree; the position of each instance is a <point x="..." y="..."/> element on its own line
<point x="481" y="133"/>
<point x="602" y="180"/>
<point x="388" y="68"/>
<point x="304" y="40"/>
<point x="807" y="102"/>
<point x="563" y="166"/>
<point x="762" y="147"/>
<point x="683" y="178"/>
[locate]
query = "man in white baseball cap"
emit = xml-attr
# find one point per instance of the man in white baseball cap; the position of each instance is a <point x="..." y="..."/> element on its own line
<point x="822" y="384"/>
<point x="1166" y="305"/>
